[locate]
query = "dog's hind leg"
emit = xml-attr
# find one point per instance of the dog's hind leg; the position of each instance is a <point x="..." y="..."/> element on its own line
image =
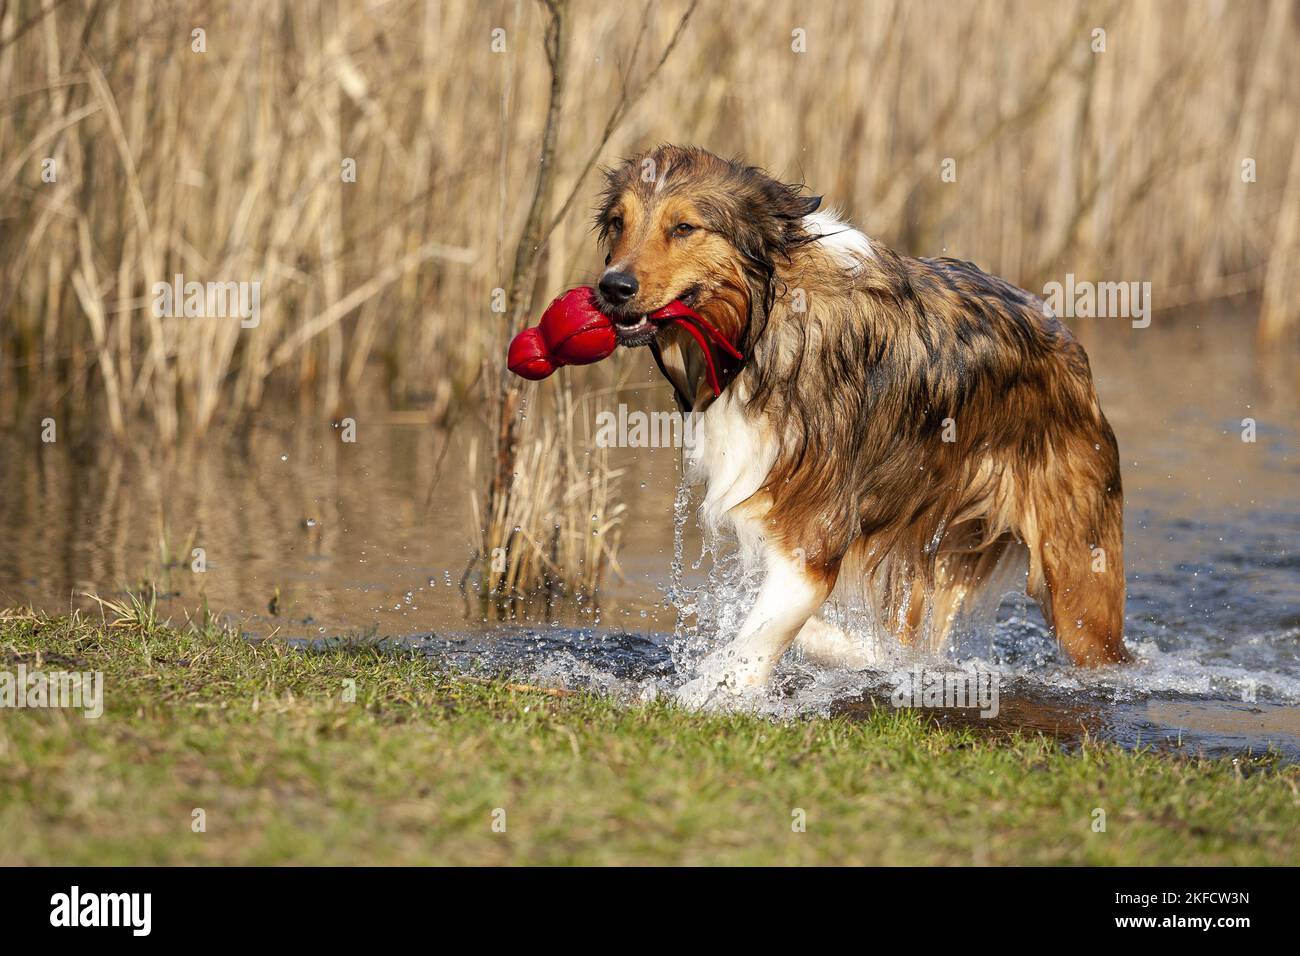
<point x="827" y="645"/>
<point x="968" y="588"/>
<point x="963" y="592"/>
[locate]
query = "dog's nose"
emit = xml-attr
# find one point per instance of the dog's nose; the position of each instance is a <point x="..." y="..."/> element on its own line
<point x="618" y="287"/>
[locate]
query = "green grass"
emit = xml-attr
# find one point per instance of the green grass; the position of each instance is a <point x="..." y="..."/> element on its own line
<point x="286" y="771"/>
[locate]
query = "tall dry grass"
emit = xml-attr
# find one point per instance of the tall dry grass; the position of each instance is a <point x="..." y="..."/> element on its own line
<point x="225" y="165"/>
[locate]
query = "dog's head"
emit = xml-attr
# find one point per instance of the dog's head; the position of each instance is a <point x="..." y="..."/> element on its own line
<point x="682" y="223"/>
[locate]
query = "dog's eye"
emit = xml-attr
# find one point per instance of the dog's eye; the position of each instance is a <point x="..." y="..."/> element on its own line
<point x="615" y="225"/>
<point x="683" y="229"/>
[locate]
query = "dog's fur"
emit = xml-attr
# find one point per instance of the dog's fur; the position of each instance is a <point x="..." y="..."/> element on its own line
<point x="911" y="422"/>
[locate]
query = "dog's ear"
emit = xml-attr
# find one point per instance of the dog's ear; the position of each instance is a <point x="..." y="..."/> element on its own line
<point x="761" y="215"/>
<point x="778" y="219"/>
<point x="783" y="201"/>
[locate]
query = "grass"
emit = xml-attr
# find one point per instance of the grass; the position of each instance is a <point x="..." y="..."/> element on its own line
<point x="260" y="738"/>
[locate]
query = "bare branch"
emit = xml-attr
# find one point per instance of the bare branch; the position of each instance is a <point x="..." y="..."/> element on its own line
<point x="616" y="116"/>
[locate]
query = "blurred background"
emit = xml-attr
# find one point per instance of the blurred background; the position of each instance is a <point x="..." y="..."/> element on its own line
<point x="373" y="167"/>
<point x="226" y="164"/>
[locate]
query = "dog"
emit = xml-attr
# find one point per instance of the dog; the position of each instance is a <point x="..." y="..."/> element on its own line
<point x="908" y="427"/>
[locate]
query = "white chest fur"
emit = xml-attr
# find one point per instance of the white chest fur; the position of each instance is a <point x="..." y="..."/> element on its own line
<point x="732" y="454"/>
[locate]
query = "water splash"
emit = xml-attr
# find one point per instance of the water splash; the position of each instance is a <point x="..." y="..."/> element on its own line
<point x="676" y="588"/>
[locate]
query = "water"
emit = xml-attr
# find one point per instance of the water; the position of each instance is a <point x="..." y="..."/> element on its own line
<point x="313" y="539"/>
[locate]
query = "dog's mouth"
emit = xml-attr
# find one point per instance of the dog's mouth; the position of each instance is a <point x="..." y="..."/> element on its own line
<point x="633" y="330"/>
<point x="639" y="332"/>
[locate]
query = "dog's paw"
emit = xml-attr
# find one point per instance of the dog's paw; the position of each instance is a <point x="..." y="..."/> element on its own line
<point x="712" y="691"/>
<point x="698" y="693"/>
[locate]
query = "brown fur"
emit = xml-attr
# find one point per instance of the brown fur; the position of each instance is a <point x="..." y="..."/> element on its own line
<point x="858" y="387"/>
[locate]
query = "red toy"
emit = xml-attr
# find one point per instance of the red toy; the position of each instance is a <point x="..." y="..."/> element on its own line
<point x="573" y="331"/>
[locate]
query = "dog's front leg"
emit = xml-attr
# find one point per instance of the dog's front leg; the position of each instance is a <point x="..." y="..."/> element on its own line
<point x="789" y="595"/>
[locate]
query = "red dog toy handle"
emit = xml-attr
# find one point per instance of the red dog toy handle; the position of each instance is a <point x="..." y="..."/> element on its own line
<point x="696" y="326"/>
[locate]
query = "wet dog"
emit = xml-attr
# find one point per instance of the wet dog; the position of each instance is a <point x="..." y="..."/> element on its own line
<point x="909" y="428"/>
